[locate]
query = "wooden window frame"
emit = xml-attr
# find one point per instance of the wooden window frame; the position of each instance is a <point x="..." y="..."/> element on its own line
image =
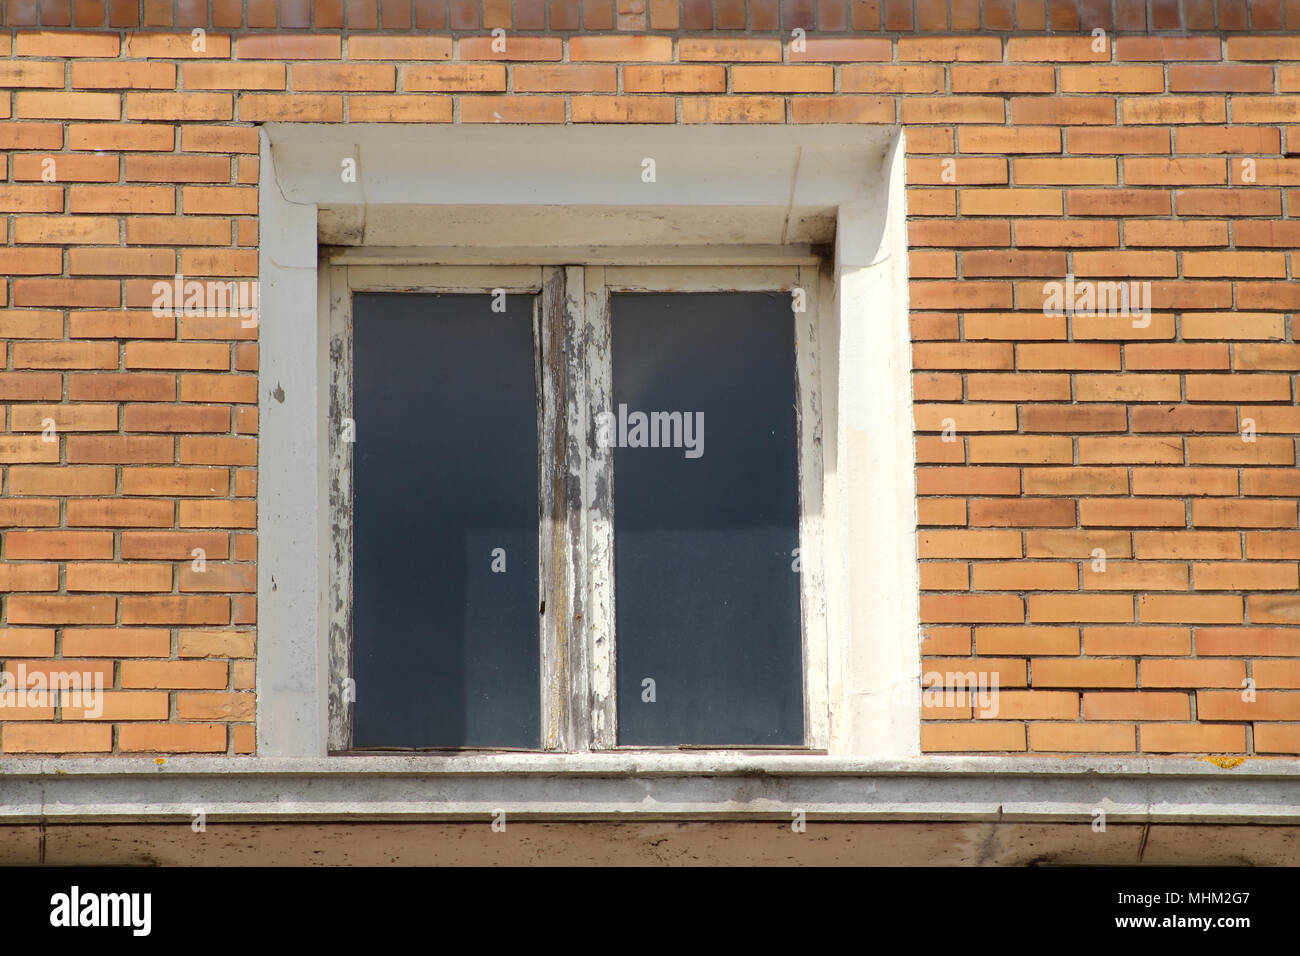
<point x="576" y="507"/>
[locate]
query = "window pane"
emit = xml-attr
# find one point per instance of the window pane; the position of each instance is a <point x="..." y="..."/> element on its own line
<point x="706" y="594"/>
<point x="445" y="642"/>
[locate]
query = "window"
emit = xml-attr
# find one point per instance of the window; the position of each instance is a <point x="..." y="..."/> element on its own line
<point x="575" y="508"/>
<point x="561" y="214"/>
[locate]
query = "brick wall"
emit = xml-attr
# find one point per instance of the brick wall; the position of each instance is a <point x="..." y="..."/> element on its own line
<point x="1045" y="442"/>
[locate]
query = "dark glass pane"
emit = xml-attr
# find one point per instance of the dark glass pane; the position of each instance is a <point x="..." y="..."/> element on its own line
<point x="706" y="595"/>
<point x="445" y="649"/>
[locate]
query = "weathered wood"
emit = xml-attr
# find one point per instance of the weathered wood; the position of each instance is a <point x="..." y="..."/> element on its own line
<point x="556" y="551"/>
<point x="340" y="511"/>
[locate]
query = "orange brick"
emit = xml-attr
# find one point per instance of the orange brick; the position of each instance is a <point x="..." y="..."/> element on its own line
<point x="949" y="49"/>
<point x="782" y="79"/>
<point x="16" y="74"/>
<point x="114" y="705"/>
<point x="31" y="609"/>
<point x="517" y="48"/>
<point x="135" y="136"/>
<point x="1136" y="705"/>
<point x="31" y="261"/>
<point x="1190" y="609"/>
<point x="217" y="514"/>
<point x="622" y="109"/>
<point x="1226" y="139"/>
<point x="175" y="610"/>
<point x="1075" y="481"/>
<point x="734" y="109"/>
<point x="362" y="47"/>
<point x="172" y="738"/>
<point x="66" y="418"/>
<point x="218" y="139"/>
<point x="1071" y="737"/>
<point x="955" y="109"/>
<point x="1027" y="640"/>
<point x="119" y="577"/>
<point x="122" y="76"/>
<point x="961" y="608"/>
<point x="216" y="643"/>
<point x="289" y="47"/>
<point x="65" y="168"/>
<point x="621" y="49"/>
<point x="44" y="105"/>
<point x="1130" y="48"/>
<point x="1175" y="110"/>
<point x="843" y="50"/>
<point x="116" y="512"/>
<point x="116" y="641"/>
<point x="1112" y="79"/>
<point x="674" y="79"/>
<point x="344" y="77"/>
<point x="1016" y="387"/>
<point x="511" y="109"/>
<point x="210" y="706"/>
<point x="461" y="77"/>
<point x="174" y="46"/>
<point x="1137" y="512"/>
<point x="1019" y="449"/>
<point x="728" y="49"/>
<point x="1128" y="641"/>
<point x="1228" y="705"/>
<point x="1276" y="674"/>
<point x="27" y="641"/>
<point x="113" y="449"/>
<point x="66" y="230"/>
<point x="1194" y="738"/>
<point x="972" y="737"/>
<point x="862" y="78"/>
<point x="120" y="199"/>
<point x="184" y="482"/>
<point x="58" y="545"/>
<point x="288" y="108"/>
<point x="842" y="109"/>
<point x="1184" y="481"/>
<point x="1083" y="608"/>
<point x="178" y="169"/>
<point x="1053" y="49"/>
<point x="1003" y="79"/>
<point x="179" y="106"/>
<point x="1063" y="110"/>
<point x="1068" y="172"/>
<point x="1135" y="576"/>
<point x="66" y="738"/>
<point x="1012" y="139"/>
<point x="171" y="545"/>
<point x="1273" y="608"/>
<point x="1220" y="78"/>
<point x="1109" y="142"/>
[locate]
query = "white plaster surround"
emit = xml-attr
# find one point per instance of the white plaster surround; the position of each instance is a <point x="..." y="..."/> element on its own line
<point x="499" y="194"/>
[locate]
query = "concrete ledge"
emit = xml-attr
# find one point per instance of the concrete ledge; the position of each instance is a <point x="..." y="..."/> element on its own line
<point x="643" y="787"/>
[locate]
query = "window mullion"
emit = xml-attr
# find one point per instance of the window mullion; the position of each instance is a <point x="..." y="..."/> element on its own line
<point x="556" y="571"/>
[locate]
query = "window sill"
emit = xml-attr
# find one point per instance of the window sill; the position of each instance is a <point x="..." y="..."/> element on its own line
<point x="646" y="786"/>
